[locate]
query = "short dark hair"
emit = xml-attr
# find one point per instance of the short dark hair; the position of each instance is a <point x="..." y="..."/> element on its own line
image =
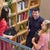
<point x="36" y="9"/>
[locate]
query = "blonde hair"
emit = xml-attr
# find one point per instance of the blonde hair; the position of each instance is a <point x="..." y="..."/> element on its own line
<point x="47" y="22"/>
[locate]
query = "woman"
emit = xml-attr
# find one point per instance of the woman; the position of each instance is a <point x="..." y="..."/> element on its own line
<point x="4" y="25"/>
<point x="4" y="20"/>
<point x="44" y="37"/>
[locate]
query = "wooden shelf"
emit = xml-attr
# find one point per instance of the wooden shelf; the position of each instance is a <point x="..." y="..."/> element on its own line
<point x="21" y="32"/>
<point x="22" y="42"/>
<point x="22" y="10"/>
<point x="19" y="0"/>
<point x="34" y="6"/>
<point x="22" y="21"/>
<point x="14" y="1"/>
<point x="13" y="25"/>
<point x="12" y="14"/>
<point x="5" y="3"/>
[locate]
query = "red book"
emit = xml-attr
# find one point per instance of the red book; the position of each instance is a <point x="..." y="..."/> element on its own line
<point x="25" y="15"/>
<point x="21" y="18"/>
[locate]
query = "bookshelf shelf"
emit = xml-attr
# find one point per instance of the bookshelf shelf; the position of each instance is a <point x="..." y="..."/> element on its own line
<point x="13" y="1"/>
<point x="26" y="9"/>
<point x="22" y="21"/>
<point x="22" y="42"/>
<point x="19" y="15"/>
<point x="13" y="25"/>
<point x="5" y="3"/>
<point x="12" y="14"/>
<point x="36" y="5"/>
<point x="19" y="0"/>
<point x="21" y="32"/>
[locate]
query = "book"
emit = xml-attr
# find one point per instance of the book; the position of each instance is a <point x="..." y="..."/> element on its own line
<point x="18" y="18"/>
<point x="30" y="12"/>
<point x="25" y="15"/>
<point x="20" y="38"/>
<point x="22" y="17"/>
<point x="22" y="27"/>
<point x="23" y="5"/>
<point x="19" y="6"/>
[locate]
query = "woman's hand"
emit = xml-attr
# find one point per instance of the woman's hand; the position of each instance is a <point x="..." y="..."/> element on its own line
<point x="10" y="37"/>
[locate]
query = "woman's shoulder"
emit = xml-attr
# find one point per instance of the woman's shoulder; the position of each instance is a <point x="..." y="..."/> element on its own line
<point x="3" y="21"/>
<point x="45" y="36"/>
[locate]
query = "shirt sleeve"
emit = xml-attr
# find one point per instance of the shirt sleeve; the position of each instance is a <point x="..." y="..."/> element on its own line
<point x="41" y="41"/>
<point x="3" y="27"/>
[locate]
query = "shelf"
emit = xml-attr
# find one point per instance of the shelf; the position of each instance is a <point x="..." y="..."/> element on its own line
<point x="14" y="1"/>
<point x="13" y="25"/>
<point x="12" y="14"/>
<point x="19" y="0"/>
<point x="34" y="6"/>
<point x="6" y="3"/>
<point x="22" y="42"/>
<point x="22" y="10"/>
<point x="21" y="32"/>
<point x="22" y="21"/>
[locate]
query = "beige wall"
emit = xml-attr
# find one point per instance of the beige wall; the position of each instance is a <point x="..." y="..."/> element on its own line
<point x="45" y="8"/>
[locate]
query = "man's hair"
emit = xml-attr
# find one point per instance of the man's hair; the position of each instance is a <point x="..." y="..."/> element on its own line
<point x="36" y="9"/>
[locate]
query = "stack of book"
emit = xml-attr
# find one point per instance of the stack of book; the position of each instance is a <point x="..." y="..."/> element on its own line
<point x="21" y="5"/>
<point x="22" y="17"/>
<point x="20" y="38"/>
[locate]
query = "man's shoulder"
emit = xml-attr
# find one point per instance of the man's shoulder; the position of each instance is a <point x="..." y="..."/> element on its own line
<point x="30" y="18"/>
<point x="41" y="18"/>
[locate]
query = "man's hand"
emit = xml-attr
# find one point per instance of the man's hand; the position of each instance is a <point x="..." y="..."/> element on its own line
<point x="33" y="39"/>
<point x="28" y="30"/>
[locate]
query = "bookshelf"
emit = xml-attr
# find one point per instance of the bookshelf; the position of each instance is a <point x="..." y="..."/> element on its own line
<point x="19" y="14"/>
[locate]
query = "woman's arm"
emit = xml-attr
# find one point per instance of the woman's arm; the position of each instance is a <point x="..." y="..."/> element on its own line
<point x="8" y="36"/>
<point x="39" y="44"/>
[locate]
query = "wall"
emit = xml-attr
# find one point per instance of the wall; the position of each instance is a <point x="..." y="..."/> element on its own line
<point x="45" y="8"/>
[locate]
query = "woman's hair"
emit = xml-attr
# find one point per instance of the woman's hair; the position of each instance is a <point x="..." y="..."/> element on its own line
<point x="47" y="22"/>
<point x="4" y="13"/>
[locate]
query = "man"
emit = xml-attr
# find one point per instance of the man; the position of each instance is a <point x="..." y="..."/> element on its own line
<point x="33" y="26"/>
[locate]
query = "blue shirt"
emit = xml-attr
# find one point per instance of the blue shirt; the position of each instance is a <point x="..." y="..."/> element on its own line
<point x="34" y="25"/>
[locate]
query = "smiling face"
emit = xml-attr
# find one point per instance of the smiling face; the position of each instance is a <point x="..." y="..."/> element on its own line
<point x="35" y="14"/>
<point x="44" y="26"/>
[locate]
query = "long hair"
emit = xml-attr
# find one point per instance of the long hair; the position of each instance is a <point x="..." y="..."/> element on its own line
<point x="47" y="23"/>
<point x="4" y="13"/>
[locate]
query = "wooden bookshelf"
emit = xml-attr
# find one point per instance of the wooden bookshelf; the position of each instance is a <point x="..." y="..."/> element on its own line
<point x="36" y="5"/>
<point x="22" y="21"/>
<point x="21" y="32"/>
<point x="19" y="7"/>
<point x="22" y="10"/>
<point x="22" y="42"/>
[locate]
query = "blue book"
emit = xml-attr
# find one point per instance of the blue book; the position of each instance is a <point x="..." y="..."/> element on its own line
<point x="30" y="12"/>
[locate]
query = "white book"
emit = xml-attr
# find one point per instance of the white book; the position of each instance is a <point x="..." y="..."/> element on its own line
<point x="23" y="4"/>
<point x="19" y="7"/>
<point x="19" y="18"/>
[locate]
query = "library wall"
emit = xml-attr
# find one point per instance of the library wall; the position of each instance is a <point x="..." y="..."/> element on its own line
<point x="45" y="9"/>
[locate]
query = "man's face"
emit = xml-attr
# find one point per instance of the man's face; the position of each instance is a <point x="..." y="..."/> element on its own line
<point x="35" y="14"/>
